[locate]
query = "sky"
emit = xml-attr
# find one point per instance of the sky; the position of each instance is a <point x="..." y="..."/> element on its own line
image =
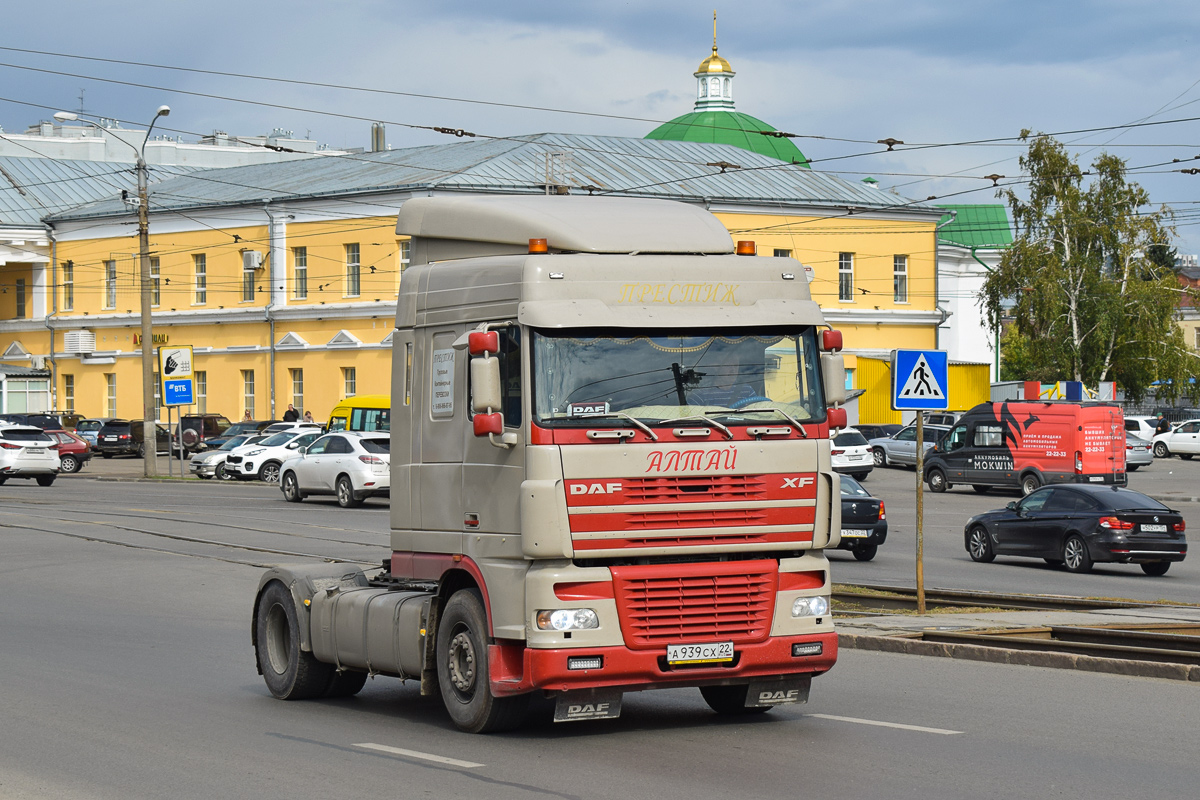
<point x="924" y="72"/>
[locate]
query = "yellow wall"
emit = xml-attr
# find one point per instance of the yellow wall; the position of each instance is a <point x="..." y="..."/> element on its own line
<point x="970" y="385"/>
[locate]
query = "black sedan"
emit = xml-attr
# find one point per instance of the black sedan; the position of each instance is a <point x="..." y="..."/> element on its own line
<point x="864" y="522"/>
<point x="1077" y="526"/>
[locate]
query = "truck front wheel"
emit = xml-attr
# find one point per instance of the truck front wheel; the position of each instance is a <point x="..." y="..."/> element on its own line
<point x="462" y="666"/>
<point x="290" y="673"/>
<point x="730" y="700"/>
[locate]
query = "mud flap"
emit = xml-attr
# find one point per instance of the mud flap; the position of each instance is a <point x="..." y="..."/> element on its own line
<point x="588" y="704"/>
<point x="765" y="694"/>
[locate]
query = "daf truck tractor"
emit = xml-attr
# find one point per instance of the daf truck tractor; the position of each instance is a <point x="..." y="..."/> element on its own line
<point x="610" y="472"/>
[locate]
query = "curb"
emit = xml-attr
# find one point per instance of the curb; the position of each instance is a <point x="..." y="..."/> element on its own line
<point x="1027" y="658"/>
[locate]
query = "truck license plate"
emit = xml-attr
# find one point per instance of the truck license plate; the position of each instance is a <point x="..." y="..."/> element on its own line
<point x="706" y="653"/>
<point x="1155" y="528"/>
<point x="854" y="533"/>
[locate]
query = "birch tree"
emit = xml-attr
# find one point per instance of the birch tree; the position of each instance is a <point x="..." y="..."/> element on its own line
<point x="1084" y="282"/>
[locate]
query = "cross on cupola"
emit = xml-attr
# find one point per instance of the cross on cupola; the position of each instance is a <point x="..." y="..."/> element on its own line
<point x="714" y="79"/>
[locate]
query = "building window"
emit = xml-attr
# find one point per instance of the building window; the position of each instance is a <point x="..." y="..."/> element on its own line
<point x="300" y="273"/>
<point x="155" y="283"/>
<point x="201" y="266"/>
<point x="298" y="389"/>
<point x="247" y="284"/>
<point x="110" y="284"/>
<point x="248" y="394"/>
<point x="157" y="394"/>
<point x="1197" y="330"/>
<point x="781" y="253"/>
<point x="110" y="383"/>
<point x="353" y="268"/>
<point x="846" y="277"/>
<point x="68" y="286"/>
<point x="68" y="393"/>
<point x="900" y="278"/>
<point x="20" y="298"/>
<point x="201" y="392"/>
<point x="349" y="381"/>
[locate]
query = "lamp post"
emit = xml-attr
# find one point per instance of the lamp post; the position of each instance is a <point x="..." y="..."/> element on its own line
<point x="149" y="409"/>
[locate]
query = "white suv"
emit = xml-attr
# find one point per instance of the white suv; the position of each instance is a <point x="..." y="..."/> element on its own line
<point x="261" y="460"/>
<point x="28" y="452"/>
<point x="350" y="465"/>
<point x="850" y="453"/>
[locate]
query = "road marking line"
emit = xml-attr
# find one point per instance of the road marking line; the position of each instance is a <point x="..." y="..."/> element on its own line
<point x="880" y="724"/>
<point x="454" y="762"/>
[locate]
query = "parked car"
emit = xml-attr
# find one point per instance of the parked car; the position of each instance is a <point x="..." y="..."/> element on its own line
<point x="851" y="454"/>
<point x="1078" y="525"/>
<point x="88" y="428"/>
<point x="211" y="463"/>
<point x="262" y="459"/>
<point x="1142" y="427"/>
<point x="44" y="420"/>
<point x="197" y="431"/>
<point x="280" y="427"/>
<point x="73" y="451"/>
<point x="877" y="431"/>
<point x="864" y="521"/>
<point x="1138" y="453"/>
<point x="352" y="465"/>
<point x="1183" y="441"/>
<point x="125" y="437"/>
<point x="901" y="448"/>
<point x="27" y="451"/>
<point x="236" y="429"/>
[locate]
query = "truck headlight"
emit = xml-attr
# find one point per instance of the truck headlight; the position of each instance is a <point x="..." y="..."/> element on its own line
<point x="810" y="606"/>
<point x="567" y="619"/>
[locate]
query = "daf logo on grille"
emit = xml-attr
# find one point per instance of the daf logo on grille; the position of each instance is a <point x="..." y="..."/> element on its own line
<point x="596" y="488"/>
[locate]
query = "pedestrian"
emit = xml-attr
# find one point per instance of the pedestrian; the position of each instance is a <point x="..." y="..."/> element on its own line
<point x="1163" y="426"/>
<point x="247" y="418"/>
<point x="308" y="416"/>
<point x="291" y="415"/>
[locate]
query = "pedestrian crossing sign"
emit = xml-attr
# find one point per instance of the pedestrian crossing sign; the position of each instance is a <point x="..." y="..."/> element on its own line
<point x="920" y="380"/>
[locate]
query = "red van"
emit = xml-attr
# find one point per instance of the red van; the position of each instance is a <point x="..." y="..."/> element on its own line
<point x="1030" y="444"/>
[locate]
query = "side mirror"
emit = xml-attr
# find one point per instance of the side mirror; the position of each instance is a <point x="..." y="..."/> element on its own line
<point x="833" y="378"/>
<point x="488" y="424"/>
<point x="303" y="451"/>
<point x="486" y="396"/>
<point x="1012" y="506"/>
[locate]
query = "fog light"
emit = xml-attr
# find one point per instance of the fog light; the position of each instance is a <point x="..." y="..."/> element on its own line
<point x="567" y="619"/>
<point x="807" y="649"/>
<point x="810" y="606"/>
<point x="585" y="662"/>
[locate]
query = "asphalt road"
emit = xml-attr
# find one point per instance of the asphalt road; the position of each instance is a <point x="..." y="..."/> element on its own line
<point x="947" y="565"/>
<point x="128" y="673"/>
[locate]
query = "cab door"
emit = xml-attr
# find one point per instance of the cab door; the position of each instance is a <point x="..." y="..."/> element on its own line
<point x="954" y="453"/>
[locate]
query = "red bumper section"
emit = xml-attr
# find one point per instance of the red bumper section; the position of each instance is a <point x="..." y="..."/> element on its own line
<point x="516" y="669"/>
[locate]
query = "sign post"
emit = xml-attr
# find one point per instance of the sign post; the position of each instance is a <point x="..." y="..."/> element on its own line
<point x="920" y="382"/>
<point x="178" y="386"/>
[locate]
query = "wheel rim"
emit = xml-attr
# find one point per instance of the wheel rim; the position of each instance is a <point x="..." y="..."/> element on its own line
<point x="279" y="639"/>
<point x="877" y="456"/>
<point x="270" y="474"/>
<point x="1160" y="450"/>
<point x="289" y="486"/>
<point x="461" y="662"/>
<point x="936" y="481"/>
<point x="1029" y="485"/>
<point x="1074" y="553"/>
<point x="343" y="491"/>
<point x="979" y="543"/>
<point x="68" y="464"/>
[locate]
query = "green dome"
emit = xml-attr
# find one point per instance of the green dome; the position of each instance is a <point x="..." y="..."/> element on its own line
<point x="729" y="127"/>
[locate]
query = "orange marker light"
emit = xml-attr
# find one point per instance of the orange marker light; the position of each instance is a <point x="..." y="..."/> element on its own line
<point x="747" y="248"/>
<point x="538" y="246"/>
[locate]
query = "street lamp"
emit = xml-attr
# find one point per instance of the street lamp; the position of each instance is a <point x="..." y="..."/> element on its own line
<point x="149" y="409"/>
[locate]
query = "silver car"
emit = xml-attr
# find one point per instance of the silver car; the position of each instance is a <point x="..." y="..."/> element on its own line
<point x="901" y="447"/>
<point x="352" y="465"/>
<point x="27" y="452"/>
<point x="1138" y="452"/>
<point x="211" y="463"/>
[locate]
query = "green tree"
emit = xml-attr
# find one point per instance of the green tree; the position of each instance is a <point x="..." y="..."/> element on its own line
<point x="1087" y="281"/>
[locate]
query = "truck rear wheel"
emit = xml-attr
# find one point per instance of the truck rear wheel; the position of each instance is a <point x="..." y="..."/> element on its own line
<point x="290" y="673"/>
<point x="730" y="700"/>
<point x="346" y="683"/>
<point x="462" y="667"/>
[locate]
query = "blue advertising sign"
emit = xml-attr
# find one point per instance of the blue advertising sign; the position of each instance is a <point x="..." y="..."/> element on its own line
<point x="178" y="392"/>
<point x="920" y="380"/>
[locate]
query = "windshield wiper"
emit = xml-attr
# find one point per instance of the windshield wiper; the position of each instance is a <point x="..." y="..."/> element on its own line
<point x="778" y="411"/>
<point x="700" y="418"/>
<point x="618" y="415"/>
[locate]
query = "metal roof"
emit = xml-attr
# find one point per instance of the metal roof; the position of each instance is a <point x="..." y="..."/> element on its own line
<point x="979" y="225"/>
<point x="33" y="188"/>
<point x="612" y="165"/>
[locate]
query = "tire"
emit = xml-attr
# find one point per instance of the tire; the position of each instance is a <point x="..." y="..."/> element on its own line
<point x="345" y="493"/>
<point x="290" y="673"/>
<point x="462" y="668"/>
<point x="1076" y="555"/>
<point x="879" y="457"/>
<point x="730" y="700"/>
<point x="981" y="489"/>
<point x="291" y="489"/>
<point x="1186" y="456"/>
<point x="1161" y="450"/>
<point x="269" y="472"/>
<point x="46" y="480"/>
<point x="865" y="552"/>
<point x="3" y="480"/>
<point x="1156" y="568"/>
<point x="106" y="455"/>
<point x="70" y="464"/>
<point x="937" y="481"/>
<point x="1132" y="467"/>
<point x="221" y="473"/>
<point x="980" y="545"/>
<point x="860" y="476"/>
<point x="140" y="452"/>
<point x="346" y="683"/>
<point x="1030" y="484"/>
<point x="1057" y="563"/>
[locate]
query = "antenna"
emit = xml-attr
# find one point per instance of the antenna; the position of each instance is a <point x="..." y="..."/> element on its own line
<point x="82" y="91"/>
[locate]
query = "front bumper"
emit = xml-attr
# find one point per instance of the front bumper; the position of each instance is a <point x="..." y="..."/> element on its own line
<point x="203" y="468"/>
<point x="516" y="669"/>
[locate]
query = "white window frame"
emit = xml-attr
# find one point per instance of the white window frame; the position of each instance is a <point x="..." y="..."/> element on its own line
<point x="110" y="284"/>
<point x="201" y="392"/>
<point x="900" y="279"/>
<point x="247" y="285"/>
<point x="299" y="273"/>
<point x="298" y="389"/>
<point x="845" y="277"/>
<point x="68" y="286"/>
<point x="110" y="399"/>
<point x="353" y="270"/>
<point x="155" y="283"/>
<point x="248" y="392"/>
<point x="69" y="392"/>
<point x="200" y="279"/>
<point x="349" y="381"/>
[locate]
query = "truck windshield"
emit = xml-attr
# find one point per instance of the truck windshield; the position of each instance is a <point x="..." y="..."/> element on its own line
<point x="669" y="375"/>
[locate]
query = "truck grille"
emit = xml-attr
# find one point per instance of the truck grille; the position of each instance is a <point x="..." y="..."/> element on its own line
<point x="662" y="604"/>
<point x="706" y="488"/>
